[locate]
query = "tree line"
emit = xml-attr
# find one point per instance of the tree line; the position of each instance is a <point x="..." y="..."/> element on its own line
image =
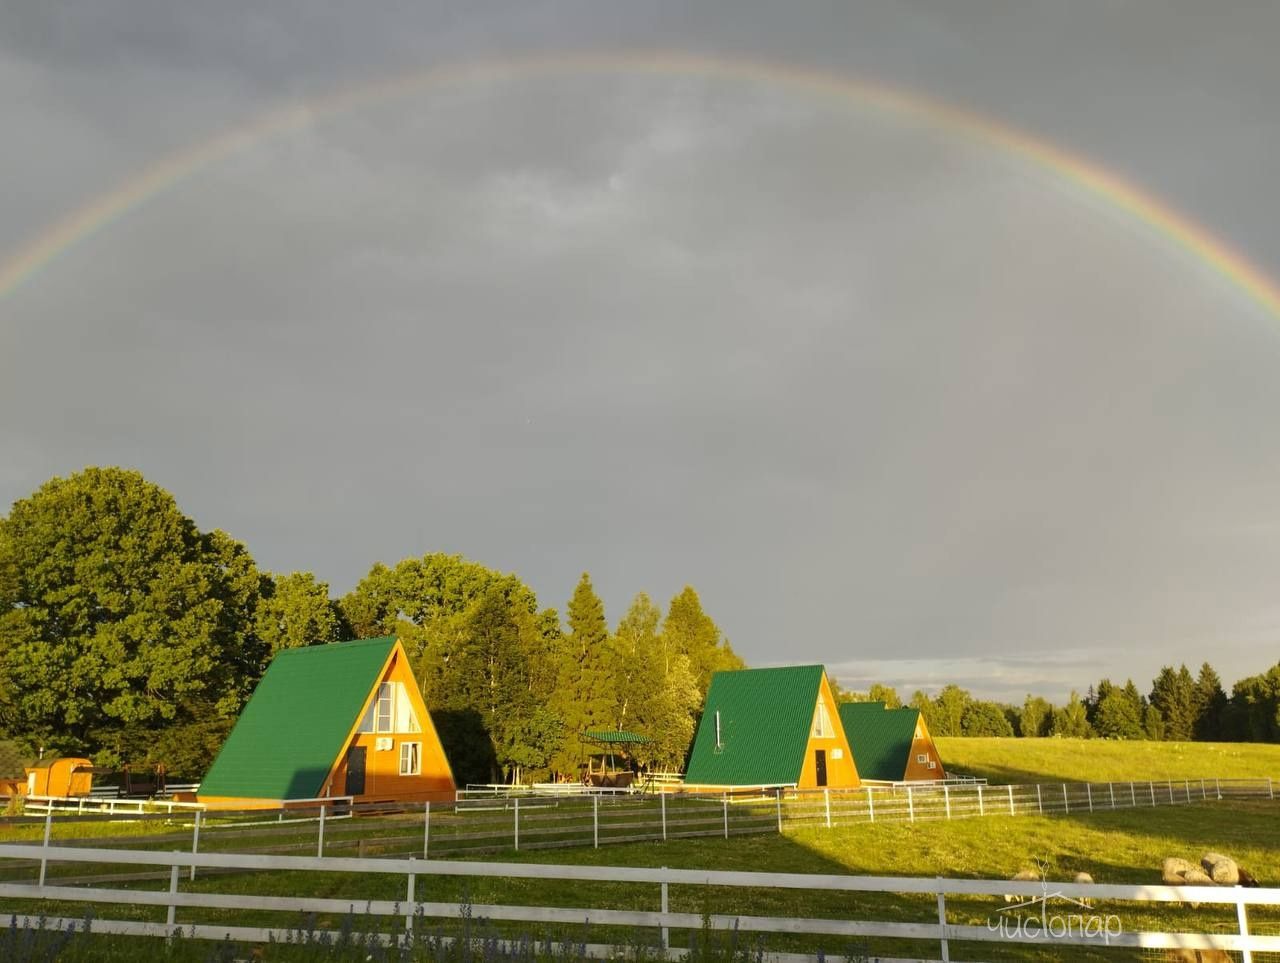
<point x="130" y="636"/>
<point x="1179" y="707"/>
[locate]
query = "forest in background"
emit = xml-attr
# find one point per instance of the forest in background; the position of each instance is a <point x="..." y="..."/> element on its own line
<point x="130" y="636"/>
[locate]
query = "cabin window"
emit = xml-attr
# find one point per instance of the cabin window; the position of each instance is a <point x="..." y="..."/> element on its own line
<point x="382" y="708"/>
<point x="410" y="758"/>
<point x="406" y="720"/>
<point x="821" y="722"/>
<point x="391" y="711"/>
<point x="922" y="758"/>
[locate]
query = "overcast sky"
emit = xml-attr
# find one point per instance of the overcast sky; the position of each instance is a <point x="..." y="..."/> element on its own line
<point x="890" y="399"/>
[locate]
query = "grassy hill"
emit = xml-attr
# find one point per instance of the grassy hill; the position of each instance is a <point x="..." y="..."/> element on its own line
<point x="1103" y="760"/>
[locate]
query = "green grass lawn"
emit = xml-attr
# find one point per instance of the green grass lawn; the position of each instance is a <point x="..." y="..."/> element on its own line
<point x="1125" y="846"/>
<point x="1104" y="760"/>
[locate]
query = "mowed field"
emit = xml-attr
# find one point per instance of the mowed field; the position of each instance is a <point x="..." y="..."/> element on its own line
<point x="1106" y="760"/>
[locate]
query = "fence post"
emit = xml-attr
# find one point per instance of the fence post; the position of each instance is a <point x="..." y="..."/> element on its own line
<point x="1188" y="788"/>
<point x="1012" y="811"/>
<point x="195" y="842"/>
<point x="726" y="816"/>
<point x="1133" y="795"/>
<point x="516" y="827"/>
<point x="1152" y="786"/>
<point x="911" y="806"/>
<point x="871" y="805"/>
<point x="1203" y="795"/>
<point x="1066" y="801"/>
<point x="426" y="828"/>
<point x="44" y="853"/>
<point x="1039" y="800"/>
<point x="946" y="800"/>
<point x="1271" y="791"/>
<point x="982" y="810"/>
<point x="942" y="923"/>
<point x="320" y="833"/>
<point x="1088" y="788"/>
<point x="595" y="821"/>
<point x="826" y="795"/>
<point x="662" y="799"/>
<point x="779" y="791"/>
<point x="172" y="916"/>
<point x="1171" y="799"/>
<point x="666" y="933"/>
<point x="409" y="899"/>
<point x="1111" y="788"/>
<point x="1246" y="954"/>
<point x="1217" y="787"/>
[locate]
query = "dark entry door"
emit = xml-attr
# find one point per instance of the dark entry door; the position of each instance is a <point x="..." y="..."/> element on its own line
<point x="355" y="770"/>
<point x="819" y="765"/>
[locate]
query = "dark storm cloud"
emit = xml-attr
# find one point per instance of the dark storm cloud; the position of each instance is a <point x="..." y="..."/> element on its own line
<point x="889" y="400"/>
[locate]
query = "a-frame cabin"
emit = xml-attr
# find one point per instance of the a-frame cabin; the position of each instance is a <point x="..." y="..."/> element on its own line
<point x="771" y="727"/>
<point x="893" y="745"/>
<point x="345" y="719"/>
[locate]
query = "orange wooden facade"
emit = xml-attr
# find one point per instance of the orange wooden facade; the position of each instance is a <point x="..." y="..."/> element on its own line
<point x="383" y="750"/>
<point x="923" y="752"/>
<point x="837" y="757"/>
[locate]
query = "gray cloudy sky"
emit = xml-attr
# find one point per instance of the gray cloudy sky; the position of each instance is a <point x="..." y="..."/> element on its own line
<point x="890" y="399"/>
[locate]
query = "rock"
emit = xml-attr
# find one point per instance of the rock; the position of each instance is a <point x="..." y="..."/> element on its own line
<point x="1225" y="872"/>
<point x="1196" y="877"/>
<point x="1173" y="869"/>
<point x="1208" y="859"/>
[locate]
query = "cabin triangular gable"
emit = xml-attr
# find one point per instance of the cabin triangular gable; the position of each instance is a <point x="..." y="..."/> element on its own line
<point x="886" y="744"/>
<point x="393" y="717"/>
<point x="924" y="761"/>
<point x="755" y="727"/>
<point x="298" y="720"/>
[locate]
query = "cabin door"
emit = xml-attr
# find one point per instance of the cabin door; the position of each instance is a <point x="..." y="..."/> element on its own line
<point x="820" y="765"/>
<point x="355" y="770"/>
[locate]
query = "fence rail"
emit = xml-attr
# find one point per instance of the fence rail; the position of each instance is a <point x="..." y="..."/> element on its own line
<point x="942" y="932"/>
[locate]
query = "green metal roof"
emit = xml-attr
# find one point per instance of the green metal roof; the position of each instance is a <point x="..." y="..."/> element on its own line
<point x="880" y="738"/>
<point x="620" y="736"/>
<point x="765" y="719"/>
<point x="291" y="731"/>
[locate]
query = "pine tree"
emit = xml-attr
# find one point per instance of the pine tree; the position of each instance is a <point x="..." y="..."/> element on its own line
<point x="1210" y="704"/>
<point x="1173" y="695"/>
<point x="689" y="631"/>
<point x="583" y="699"/>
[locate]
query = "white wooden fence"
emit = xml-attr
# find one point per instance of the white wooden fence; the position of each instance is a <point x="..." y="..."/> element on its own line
<point x="658" y="917"/>
<point x="495" y="823"/>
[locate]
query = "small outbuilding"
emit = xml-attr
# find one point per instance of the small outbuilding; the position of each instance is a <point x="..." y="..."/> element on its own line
<point x="892" y="745"/>
<point x="771" y="727"/>
<point x="344" y="719"/>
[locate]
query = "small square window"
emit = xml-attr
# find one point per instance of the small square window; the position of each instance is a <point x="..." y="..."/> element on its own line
<point x="922" y="758"/>
<point x="410" y="758"/>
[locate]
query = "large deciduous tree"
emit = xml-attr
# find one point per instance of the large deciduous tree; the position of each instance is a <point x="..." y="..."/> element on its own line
<point x="295" y="611"/>
<point x="119" y="617"/>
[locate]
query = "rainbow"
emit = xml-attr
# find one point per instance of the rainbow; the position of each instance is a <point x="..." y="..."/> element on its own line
<point x="1178" y="230"/>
